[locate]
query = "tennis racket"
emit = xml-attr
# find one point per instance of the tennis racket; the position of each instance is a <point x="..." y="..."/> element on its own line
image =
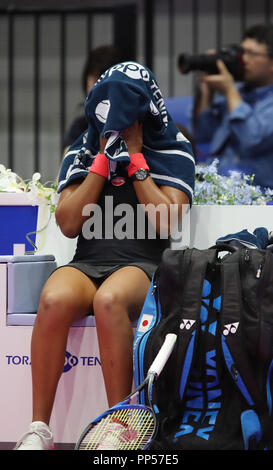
<point x="128" y="426"/>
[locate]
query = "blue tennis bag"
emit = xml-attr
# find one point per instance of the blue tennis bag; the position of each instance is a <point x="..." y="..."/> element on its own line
<point x="215" y="392"/>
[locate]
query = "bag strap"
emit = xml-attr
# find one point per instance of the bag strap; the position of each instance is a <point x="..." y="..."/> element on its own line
<point x="232" y="340"/>
<point x="257" y="287"/>
<point x="189" y="316"/>
<point x="149" y="317"/>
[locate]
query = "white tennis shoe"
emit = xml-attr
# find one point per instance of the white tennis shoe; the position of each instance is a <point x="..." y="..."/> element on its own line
<point x="38" y="437"/>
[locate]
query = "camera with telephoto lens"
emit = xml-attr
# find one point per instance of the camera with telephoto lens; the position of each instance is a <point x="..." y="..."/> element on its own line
<point x="232" y="56"/>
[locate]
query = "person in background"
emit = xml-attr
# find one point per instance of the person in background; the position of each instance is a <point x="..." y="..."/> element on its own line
<point x="237" y="119"/>
<point x="98" y="60"/>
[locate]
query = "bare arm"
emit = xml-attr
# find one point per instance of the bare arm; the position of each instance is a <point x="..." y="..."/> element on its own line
<point x="72" y="201"/>
<point x="74" y="198"/>
<point x="165" y="198"/>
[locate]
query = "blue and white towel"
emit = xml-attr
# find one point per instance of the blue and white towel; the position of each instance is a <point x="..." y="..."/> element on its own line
<point x="123" y="94"/>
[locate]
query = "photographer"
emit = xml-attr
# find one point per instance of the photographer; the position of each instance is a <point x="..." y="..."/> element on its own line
<point x="238" y="119"/>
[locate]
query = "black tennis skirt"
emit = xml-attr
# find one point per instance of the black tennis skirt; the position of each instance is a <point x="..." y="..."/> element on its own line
<point x="99" y="273"/>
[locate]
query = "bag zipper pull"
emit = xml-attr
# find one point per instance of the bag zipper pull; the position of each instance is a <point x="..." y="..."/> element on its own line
<point x="259" y="271"/>
<point x="247" y="256"/>
<point x="154" y="289"/>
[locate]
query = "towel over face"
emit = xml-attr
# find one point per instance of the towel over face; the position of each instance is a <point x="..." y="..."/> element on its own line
<point x="126" y="93"/>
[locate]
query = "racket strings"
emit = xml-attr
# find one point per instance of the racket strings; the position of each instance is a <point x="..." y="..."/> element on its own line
<point x="138" y="424"/>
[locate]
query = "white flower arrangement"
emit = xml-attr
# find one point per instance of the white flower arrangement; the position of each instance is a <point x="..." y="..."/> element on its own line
<point x="37" y="192"/>
<point x="236" y="189"/>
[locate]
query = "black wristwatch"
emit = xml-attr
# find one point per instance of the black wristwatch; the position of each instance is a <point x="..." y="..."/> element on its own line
<point x="140" y="175"/>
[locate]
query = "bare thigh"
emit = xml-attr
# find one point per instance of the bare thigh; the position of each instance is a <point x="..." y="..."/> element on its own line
<point x="126" y="287"/>
<point x="68" y="295"/>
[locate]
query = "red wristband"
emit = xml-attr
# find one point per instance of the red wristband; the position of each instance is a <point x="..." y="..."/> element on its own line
<point x="137" y="161"/>
<point x="100" y="165"/>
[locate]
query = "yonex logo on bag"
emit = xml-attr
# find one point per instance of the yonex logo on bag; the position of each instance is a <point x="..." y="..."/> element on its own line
<point x="187" y="324"/>
<point x="231" y="328"/>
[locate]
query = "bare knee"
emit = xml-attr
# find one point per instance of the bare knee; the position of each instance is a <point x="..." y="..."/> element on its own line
<point x="54" y="310"/>
<point x="109" y="308"/>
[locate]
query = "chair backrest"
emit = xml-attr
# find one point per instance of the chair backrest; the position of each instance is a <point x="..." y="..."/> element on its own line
<point x="180" y="110"/>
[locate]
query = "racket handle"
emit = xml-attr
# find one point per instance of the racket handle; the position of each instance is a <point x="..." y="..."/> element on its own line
<point x="163" y="355"/>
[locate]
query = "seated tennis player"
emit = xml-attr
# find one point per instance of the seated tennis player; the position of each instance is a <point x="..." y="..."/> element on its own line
<point x="132" y="154"/>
